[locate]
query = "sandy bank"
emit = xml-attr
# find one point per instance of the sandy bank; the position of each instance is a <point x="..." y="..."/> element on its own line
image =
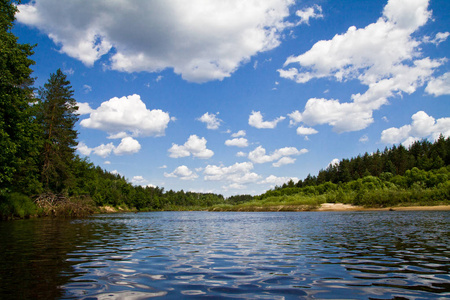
<point x="349" y="207"/>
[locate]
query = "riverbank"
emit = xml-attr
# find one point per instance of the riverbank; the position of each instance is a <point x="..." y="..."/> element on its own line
<point x="349" y="207"/>
<point x="326" y="207"/>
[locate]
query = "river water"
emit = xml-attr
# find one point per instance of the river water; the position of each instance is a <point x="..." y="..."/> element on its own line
<point x="236" y="255"/>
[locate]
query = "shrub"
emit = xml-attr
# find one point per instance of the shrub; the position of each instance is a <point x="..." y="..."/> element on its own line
<point x="16" y="205"/>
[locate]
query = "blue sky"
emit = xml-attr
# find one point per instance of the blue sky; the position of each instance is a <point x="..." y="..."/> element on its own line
<point x="236" y="97"/>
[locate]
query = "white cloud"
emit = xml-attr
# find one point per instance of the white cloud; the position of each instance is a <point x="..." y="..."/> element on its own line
<point x="384" y="56"/>
<point x="241" y="154"/>
<point x="107" y="162"/>
<point x="274" y="180"/>
<point x="439" y="38"/>
<point x="104" y="150"/>
<point x="194" y="146"/>
<point x="138" y="179"/>
<point x="128" y="145"/>
<point x="306" y="130"/>
<point x="281" y="156"/>
<point x="422" y="126"/>
<point x="239" y="134"/>
<point x="364" y="139"/>
<point x="130" y="115"/>
<point x="84" y="149"/>
<point x="296" y="117"/>
<point x="256" y="120"/>
<point x="84" y="108"/>
<point x="313" y="12"/>
<point x="218" y="36"/>
<point x="211" y="120"/>
<point x="238" y="173"/>
<point x="439" y="86"/>
<point x="238" y="142"/>
<point x="183" y="173"/>
<point x="334" y="162"/>
<point x="286" y="160"/>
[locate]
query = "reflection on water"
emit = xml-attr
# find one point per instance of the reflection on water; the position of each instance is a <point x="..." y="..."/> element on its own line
<point x="308" y="255"/>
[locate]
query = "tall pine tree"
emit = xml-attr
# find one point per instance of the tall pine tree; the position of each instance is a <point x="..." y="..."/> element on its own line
<point x="58" y="117"/>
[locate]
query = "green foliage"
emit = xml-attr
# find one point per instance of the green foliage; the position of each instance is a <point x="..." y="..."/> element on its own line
<point x="15" y="205"/>
<point x="16" y="125"/>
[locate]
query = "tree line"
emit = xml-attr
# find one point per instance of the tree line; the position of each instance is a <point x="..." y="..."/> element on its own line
<point x="396" y="160"/>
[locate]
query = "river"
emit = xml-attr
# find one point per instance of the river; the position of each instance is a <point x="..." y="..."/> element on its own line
<point x="235" y="255"/>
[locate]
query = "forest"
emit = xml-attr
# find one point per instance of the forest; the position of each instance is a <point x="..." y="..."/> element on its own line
<point x="41" y="174"/>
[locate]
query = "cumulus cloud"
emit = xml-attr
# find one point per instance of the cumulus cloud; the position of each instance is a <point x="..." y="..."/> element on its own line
<point x="239" y="134"/>
<point x="239" y="173"/>
<point x="313" y="12"/>
<point x="84" y="149"/>
<point x="241" y="154"/>
<point x="277" y="181"/>
<point x="104" y="150"/>
<point x="334" y="162"/>
<point x="238" y="142"/>
<point x="183" y="173"/>
<point x="281" y="156"/>
<point x="439" y="86"/>
<point x="422" y="126"/>
<point x="211" y="120"/>
<point x="306" y="130"/>
<point x="384" y="56"/>
<point x="138" y="179"/>
<point x="218" y="36"/>
<point x="127" y="116"/>
<point x="256" y="120"/>
<point x="84" y="108"/>
<point x="194" y="146"/>
<point x="128" y="145"/>
<point x="296" y="117"/>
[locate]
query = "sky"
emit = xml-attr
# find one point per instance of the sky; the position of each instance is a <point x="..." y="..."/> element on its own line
<point x="237" y="97"/>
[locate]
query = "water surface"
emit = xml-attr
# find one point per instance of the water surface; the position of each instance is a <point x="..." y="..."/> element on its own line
<point x="236" y="255"/>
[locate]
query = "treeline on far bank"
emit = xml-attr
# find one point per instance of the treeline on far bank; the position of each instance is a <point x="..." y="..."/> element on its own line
<point x="419" y="175"/>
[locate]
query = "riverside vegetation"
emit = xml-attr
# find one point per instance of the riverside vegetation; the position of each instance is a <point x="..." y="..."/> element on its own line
<point x="40" y="174"/>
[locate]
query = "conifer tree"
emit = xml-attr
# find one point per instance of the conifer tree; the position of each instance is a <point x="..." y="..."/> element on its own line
<point x="58" y="117"/>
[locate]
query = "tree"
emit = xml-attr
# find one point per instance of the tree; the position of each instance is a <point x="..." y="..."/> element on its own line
<point x="58" y="117"/>
<point x="17" y="128"/>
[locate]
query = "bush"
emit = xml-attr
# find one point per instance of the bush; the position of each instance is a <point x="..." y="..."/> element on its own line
<point x="16" y="205"/>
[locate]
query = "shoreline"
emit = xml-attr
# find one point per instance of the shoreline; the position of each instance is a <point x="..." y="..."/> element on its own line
<point x="349" y="207"/>
<point x="325" y="207"/>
